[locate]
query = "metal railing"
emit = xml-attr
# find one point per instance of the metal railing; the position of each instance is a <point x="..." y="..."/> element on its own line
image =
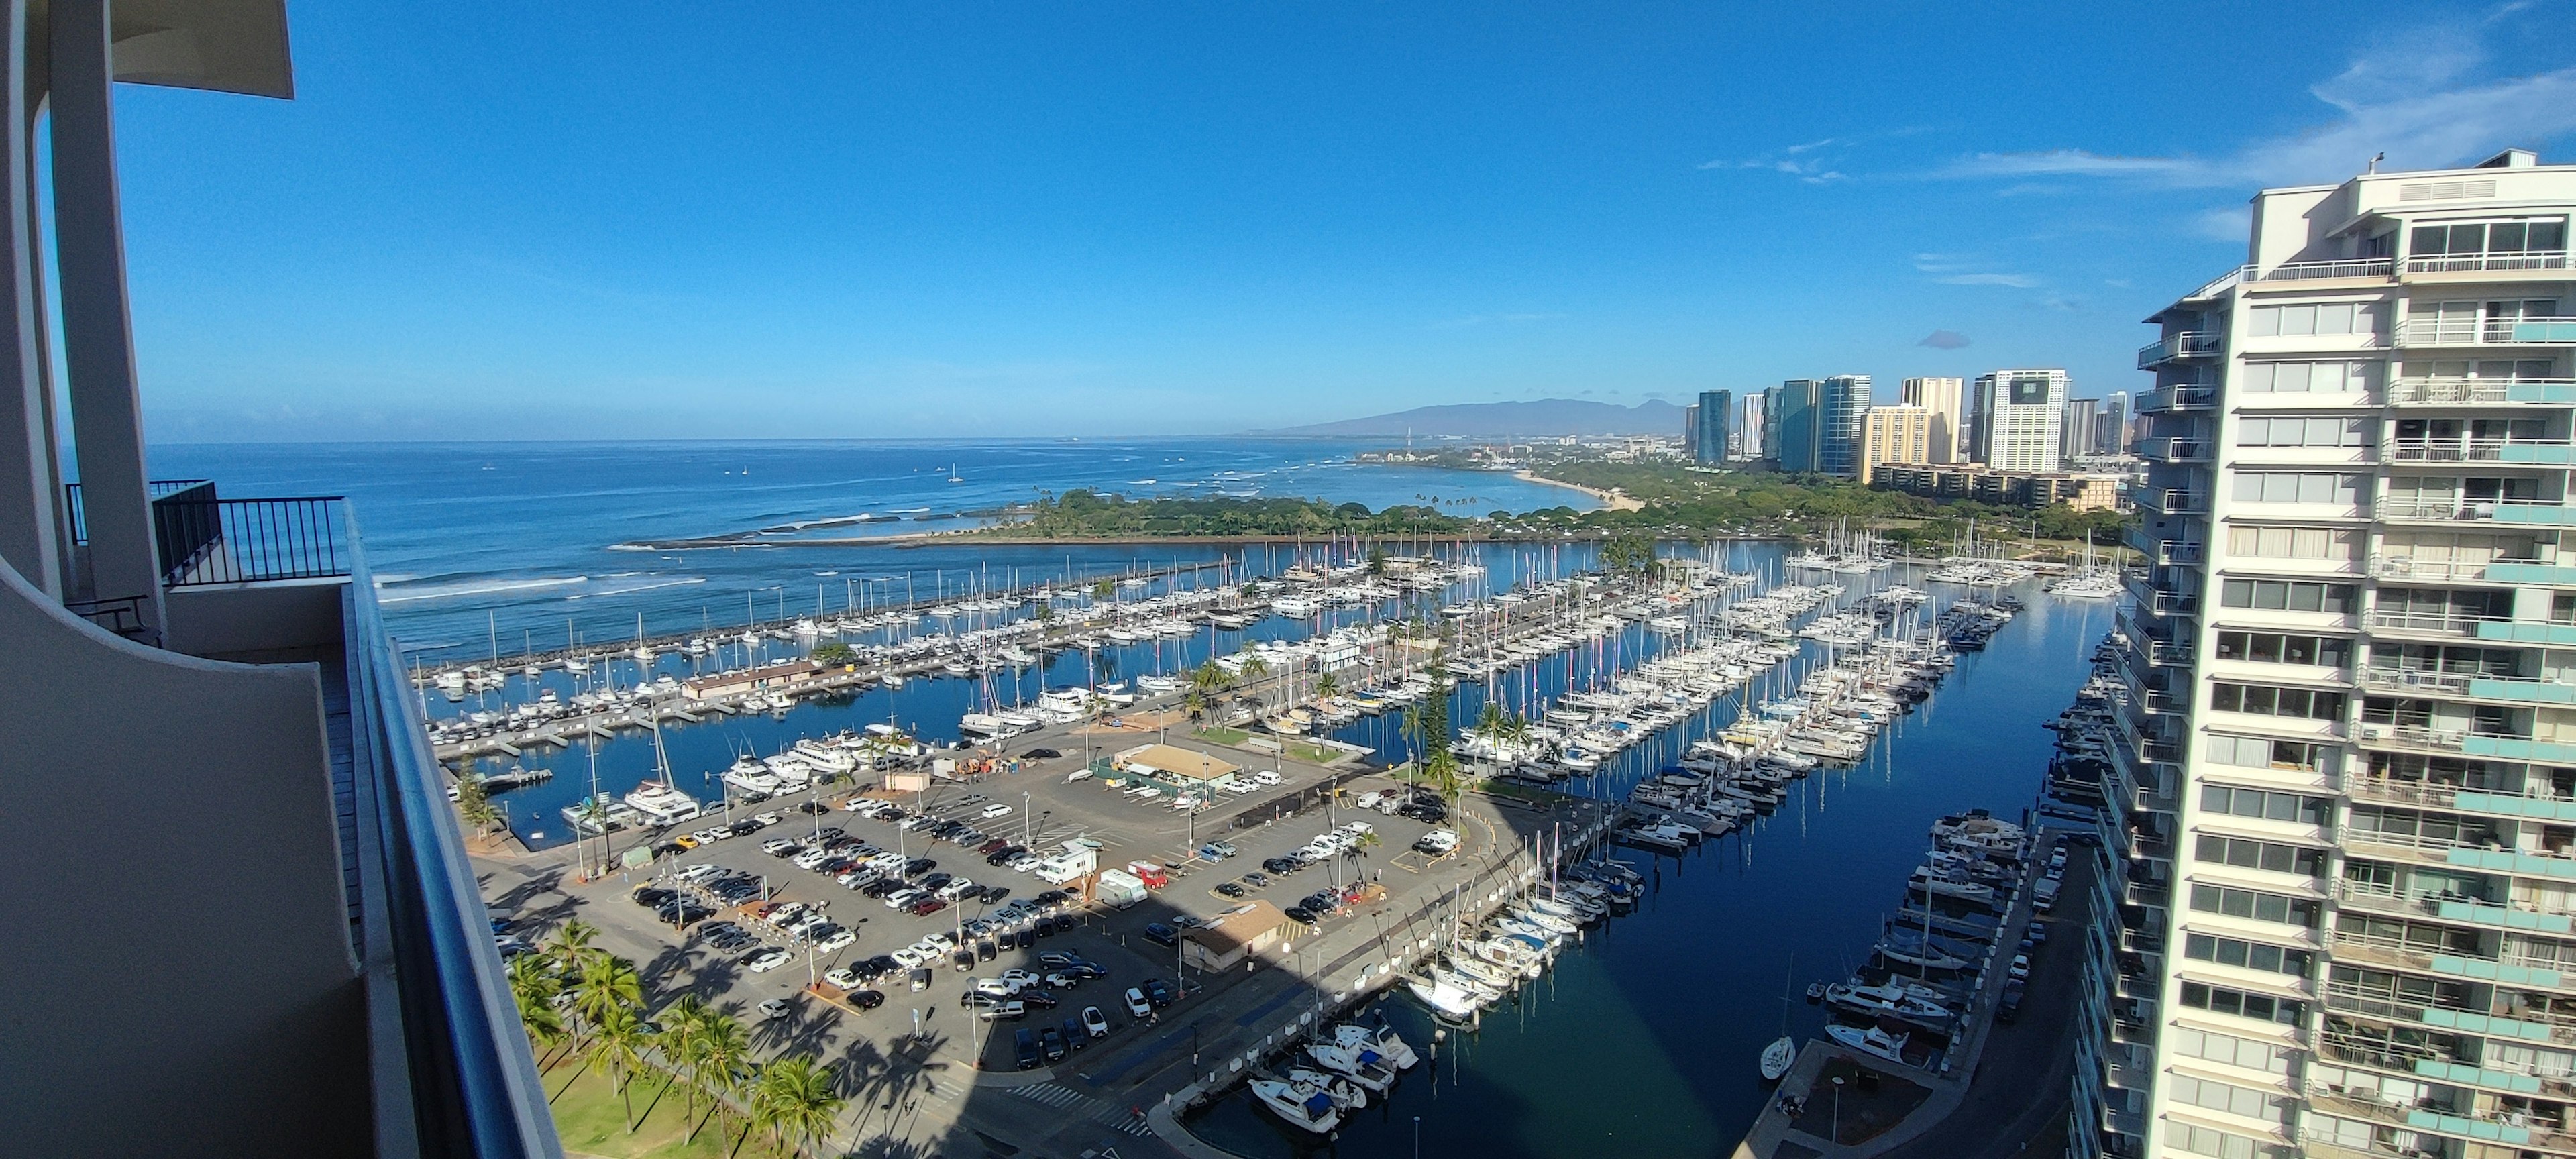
<point x="122" y="615"/>
<point x="2444" y="683"/>
<point x="2486" y="263"/>
<point x="2455" y="391"/>
<point x="2438" y="623"/>
<point x="2175" y="450"/>
<point x="2462" y="449"/>
<point x="2166" y="399"/>
<point x="2485" y="332"/>
<point x="473" y="1081"/>
<point x="2449" y="508"/>
<point x="2173" y="501"/>
<point x="2187" y="344"/>
<point x="249" y="540"/>
<point x="2415" y="735"/>
<point x="2332" y="268"/>
<point x="2410" y="567"/>
<point x="156" y="490"/>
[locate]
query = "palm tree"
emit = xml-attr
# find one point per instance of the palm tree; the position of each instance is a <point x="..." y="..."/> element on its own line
<point x="607" y="985"/>
<point x="474" y="805"/>
<point x="571" y="945"/>
<point x="796" y="1100"/>
<point x="683" y="1032"/>
<point x="621" y="1042"/>
<point x="1440" y="768"/>
<point x="534" y="990"/>
<point x="1195" y="702"/>
<point x="1254" y="668"/>
<point x="1366" y="841"/>
<point x="1327" y="685"/>
<point x="721" y="1045"/>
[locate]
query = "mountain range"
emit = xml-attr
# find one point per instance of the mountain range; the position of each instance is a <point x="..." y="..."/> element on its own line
<point x="1490" y="420"/>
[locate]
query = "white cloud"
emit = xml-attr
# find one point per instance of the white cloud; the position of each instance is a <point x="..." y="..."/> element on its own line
<point x="2225" y="223"/>
<point x="2016" y="281"/>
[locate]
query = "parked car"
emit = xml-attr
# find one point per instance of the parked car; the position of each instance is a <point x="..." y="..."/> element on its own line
<point x="1161" y="935"/>
<point x="1094" y="1022"/>
<point x="1136" y="1003"/>
<point x="776" y="1008"/>
<point x="764" y="961"/>
<point x="1159" y="992"/>
<point x="1024" y="1048"/>
<point x="1051" y="1043"/>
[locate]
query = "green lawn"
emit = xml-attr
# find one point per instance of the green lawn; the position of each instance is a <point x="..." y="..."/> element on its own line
<point x="591" y="1120"/>
<point x="1314" y="754"/>
<point x="1218" y="734"/>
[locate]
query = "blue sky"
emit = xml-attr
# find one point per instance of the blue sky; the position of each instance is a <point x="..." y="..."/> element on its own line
<point x="600" y="221"/>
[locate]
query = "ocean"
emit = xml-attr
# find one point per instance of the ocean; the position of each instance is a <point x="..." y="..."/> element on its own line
<point x="483" y="547"/>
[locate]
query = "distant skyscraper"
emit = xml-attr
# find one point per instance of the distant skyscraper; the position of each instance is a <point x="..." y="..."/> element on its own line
<point x="1941" y="396"/>
<point x="1789" y="423"/>
<point x="1748" y="427"/>
<point x="2075" y="437"/>
<point x="1714" y="418"/>
<point x="1840" y="405"/>
<point x="2016" y="417"/>
<point x="2111" y="430"/>
<point x="1894" y="434"/>
<point x="1690" y="432"/>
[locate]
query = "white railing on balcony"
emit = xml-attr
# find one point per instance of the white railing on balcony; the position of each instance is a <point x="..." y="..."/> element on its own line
<point x="2416" y="735"/>
<point x="2186" y="344"/>
<point x="2446" y="683"/>
<point x="2455" y="391"/>
<point x="2332" y="268"/>
<point x="2444" y="623"/>
<point x="2178" y="397"/>
<point x="2460" y="450"/>
<point x="2455" y="508"/>
<point x="2175" y="450"/>
<point x="2415" y="567"/>
<point x="2486" y="332"/>
<point x="2174" y="501"/>
<point x="2486" y="263"/>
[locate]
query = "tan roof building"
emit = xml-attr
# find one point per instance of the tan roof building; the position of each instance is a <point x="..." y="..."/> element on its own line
<point x="1179" y="764"/>
<point x="1235" y="935"/>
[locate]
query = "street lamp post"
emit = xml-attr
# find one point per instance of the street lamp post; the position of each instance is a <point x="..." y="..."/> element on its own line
<point x="1838" y="1110"/>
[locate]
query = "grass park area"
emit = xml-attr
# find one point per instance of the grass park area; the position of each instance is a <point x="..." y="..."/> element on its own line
<point x="1219" y="734"/>
<point x="590" y="1118"/>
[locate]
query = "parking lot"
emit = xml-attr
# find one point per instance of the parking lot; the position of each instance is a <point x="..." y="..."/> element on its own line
<point x="907" y="932"/>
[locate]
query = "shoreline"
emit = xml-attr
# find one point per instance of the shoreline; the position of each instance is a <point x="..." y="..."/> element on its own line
<point x="1612" y="500"/>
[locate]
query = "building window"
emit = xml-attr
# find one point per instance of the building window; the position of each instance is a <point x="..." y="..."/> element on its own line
<point x="2265" y="805"/>
<point x="2249" y="955"/>
<point x="2235" y="1100"/>
<point x="2255" y="905"/>
<point x="2260" y="1007"/>
<point x="2286" y="595"/>
<point x="2268" y="700"/>
<point x="2229" y="1050"/>
<point x="2285" y="648"/>
<point x="2217" y="1144"/>
<point x="2544" y="235"/>
<point x="2314" y="318"/>
<point x="2247" y="853"/>
<point x="2297" y="487"/>
<point x="2293" y="543"/>
<point x="2254" y="752"/>
<point x="2306" y="432"/>
<point x="2337" y="377"/>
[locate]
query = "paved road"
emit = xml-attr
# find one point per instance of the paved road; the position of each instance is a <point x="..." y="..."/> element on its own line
<point x="2020" y="1086"/>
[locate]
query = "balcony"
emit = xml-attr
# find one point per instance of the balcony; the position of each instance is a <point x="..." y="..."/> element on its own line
<point x="2509" y="571"/>
<point x="2452" y="392"/>
<point x="2184" y="345"/>
<point x="2477" y="685"/>
<point x="2527" y="452"/>
<point x="2171" y="501"/>
<point x="2472" y="332"/>
<point x="2333" y="268"/>
<point x="2507" y="263"/>
<point x="2411" y="737"/>
<point x="2175" y="451"/>
<point x="2447" y="624"/>
<point x="2453" y="509"/>
<point x="2178" y="399"/>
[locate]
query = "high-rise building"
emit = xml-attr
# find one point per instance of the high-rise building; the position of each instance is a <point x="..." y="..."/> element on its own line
<point x="2015" y="419"/>
<point x="1713" y="419"/>
<point x="1748" y="426"/>
<point x="1840" y="404"/>
<point x="1790" y="423"/>
<point x="1894" y="434"/>
<point x="280" y="947"/>
<point x="2341" y="873"/>
<point x="1941" y="396"/>
<point x="2075" y="431"/>
<point x="2111" y="427"/>
<point x="1690" y="432"/>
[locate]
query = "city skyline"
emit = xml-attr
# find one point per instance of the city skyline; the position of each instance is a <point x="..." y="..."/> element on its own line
<point x="1168" y="223"/>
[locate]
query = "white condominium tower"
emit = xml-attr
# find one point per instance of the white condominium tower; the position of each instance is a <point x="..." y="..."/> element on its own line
<point x="2345" y="917"/>
<point x="2017" y="419"/>
<point x="1941" y="396"/>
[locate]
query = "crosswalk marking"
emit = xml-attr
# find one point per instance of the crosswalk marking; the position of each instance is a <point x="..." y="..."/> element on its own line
<point x="1050" y="1094"/>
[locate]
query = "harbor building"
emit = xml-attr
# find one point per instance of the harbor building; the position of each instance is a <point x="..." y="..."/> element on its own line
<point x="1842" y="406"/>
<point x="1712" y="426"/>
<point x="1941" y="396"/>
<point x="1895" y="434"/>
<point x="2016" y="419"/>
<point x="247" y="923"/>
<point x="2347" y="906"/>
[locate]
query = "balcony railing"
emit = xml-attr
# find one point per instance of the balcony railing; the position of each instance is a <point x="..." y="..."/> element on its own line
<point x="2481" y="391"/>
<point x="157" y="490"/>
<point x="2187" y="344"/>
<point x="2432" y="623"/>
<point x="2178" y="399"/>
<point x="2175" y="450"/>
<point x="2453" y="509"/>
<point x="2425" y="680"/>
<point x="2482" y="332"/>
<point x="2486" y="263"/>
<point x="2414" y="567"/>
<point x="2335" y="268"/>
<point x="2412" y="736"/>
<point x="219" y="541"/>
<point x="2542" y="452"/>
<point x="2173" y="501"/>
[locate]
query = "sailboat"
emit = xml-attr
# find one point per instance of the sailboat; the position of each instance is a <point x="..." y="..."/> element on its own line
<point x="1783" y="1051"/>
<point x="953" y="476"/>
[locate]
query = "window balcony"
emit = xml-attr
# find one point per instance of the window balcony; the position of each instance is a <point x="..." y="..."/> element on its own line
<point x="2530" y="452"/>
<point x="2503" y="263"/>
<point x="2411" y="737"/>
<point x="2446" y="624"/>
<point x="2185" y="345"/>
<point x="2453" y="509"/>
<point x="2173" y="501"/>
<point x="2471" y="332"/>
<point x="2182" y="451"/>
<point x="2511" y="571"/>
<point x="2476" y="685"/>
<point x="2187" y="398"/>
<point x="2453" y="392"/>
<point x="2332" y="268"/>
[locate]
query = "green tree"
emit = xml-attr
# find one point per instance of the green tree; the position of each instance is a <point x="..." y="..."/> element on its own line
<point x="571" y="947"/>
<point x="796" y="1100"/>
<point x="1103" y="589"/>
<point x="1441" y="770"/>
<point x="834" y="654"/>
<point x="723" y="1049"/>
<point x="474" y="804"/>
<point x="607" y="985"/>
<point x="1376" y="559"/>
<point x="533" y="988"/>
<point x="620" y="1042"/>
<point x="1044" y="614"/>
<point x="683" y="1038"/>
<point x="1328" y="685"/>
<point x="1195" y="702"/>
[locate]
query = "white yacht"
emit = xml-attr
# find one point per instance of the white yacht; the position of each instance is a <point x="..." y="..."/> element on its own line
<point x="1309" y="1109"/>
<point x="661" y="804"/>
<point x="1872" y="1041"/>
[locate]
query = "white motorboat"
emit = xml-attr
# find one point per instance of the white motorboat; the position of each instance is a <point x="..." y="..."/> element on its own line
<point x="660" y="804"/>
<point x="1364" y="1066"/>
<point x="1875" y="1000"/>
<point x="1445" y="1000"/>
<point x="1873" y="1041"/>
<point x="1310" y="1109"/>
<point x="1384" y="1040"/>
<point x="1347" y="1095"/>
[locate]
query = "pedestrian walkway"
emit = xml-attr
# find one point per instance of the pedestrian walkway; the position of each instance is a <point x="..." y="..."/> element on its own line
<point x="1068" y="1099"/>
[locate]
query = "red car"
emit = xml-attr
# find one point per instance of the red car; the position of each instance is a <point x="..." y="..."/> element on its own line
<point x="929" y="906"/>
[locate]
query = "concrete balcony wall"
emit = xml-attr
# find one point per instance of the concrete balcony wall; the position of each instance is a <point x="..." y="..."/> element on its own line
<point x="283" y="620"/>
<point x="183" y="977"/>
